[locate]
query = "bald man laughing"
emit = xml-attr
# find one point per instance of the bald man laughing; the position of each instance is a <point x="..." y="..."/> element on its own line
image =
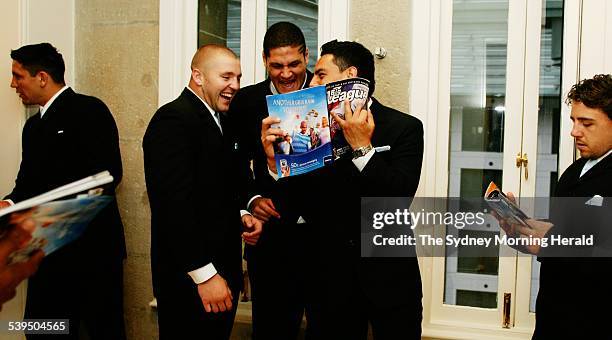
<point x="194" y="171"/>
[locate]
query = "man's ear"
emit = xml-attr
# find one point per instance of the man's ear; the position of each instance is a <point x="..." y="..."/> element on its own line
<point x="43" y="78"/>
<point x="265" y="60"/>
<point x="196" y="75"/>
<point x="351" y="72"/>
<point x="306" y="54"/>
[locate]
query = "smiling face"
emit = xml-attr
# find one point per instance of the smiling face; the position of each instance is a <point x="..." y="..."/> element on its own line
<point x="286" y="67"/>
<point x="592" y="129"/>
<point x="28" y="87"/>
<point x="217" y="79"/>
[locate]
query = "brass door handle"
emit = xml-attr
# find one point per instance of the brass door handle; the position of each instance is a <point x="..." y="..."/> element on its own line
<point x="506" y="310"/>
<point x="522" y="161"/>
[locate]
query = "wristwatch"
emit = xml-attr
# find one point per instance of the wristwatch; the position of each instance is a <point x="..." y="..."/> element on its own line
<point x="362" y="151"/>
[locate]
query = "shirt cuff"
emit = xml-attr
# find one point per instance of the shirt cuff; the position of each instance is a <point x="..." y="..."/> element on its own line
<point x="361" y="162"/>
<point x="203" y="274"/>
<point x="273" y="174"/>
<point x="251" y="201"/>
<point x="244" y="212"/>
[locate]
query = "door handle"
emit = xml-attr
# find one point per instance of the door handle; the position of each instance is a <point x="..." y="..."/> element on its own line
<point x="522" y="161"/>
<point x="506" y="311"/>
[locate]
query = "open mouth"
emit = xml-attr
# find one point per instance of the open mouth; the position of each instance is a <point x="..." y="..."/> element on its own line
<point x="227" y="96"/>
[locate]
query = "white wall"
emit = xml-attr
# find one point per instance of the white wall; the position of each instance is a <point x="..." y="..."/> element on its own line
<point x="24" y="22"/>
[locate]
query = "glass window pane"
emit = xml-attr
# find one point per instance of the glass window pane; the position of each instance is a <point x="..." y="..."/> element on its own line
<point x="478" y="92"/>
<point x="549" y="115"/>
<point x="219" y="23"/>
<point x="303" y="13"/>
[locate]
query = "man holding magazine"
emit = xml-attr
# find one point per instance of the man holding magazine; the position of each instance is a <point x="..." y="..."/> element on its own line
<point x="354" y="291"/>
<point x="573" y="289"/>
<point x="278" y="265"/>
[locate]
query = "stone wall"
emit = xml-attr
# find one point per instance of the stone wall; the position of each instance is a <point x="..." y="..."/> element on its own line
<point x="117" y="44"/>
<point x="375" y="25"/>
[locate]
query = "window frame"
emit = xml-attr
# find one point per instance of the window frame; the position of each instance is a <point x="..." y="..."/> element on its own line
<point x="178" y="25"/>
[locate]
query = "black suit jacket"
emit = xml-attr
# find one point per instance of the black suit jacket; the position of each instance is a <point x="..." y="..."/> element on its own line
<point x="76" y="137"/>
<point x="573" y="291"/>
<point x="248" y="109"/>
<point x="192" y="173"/>
<point x="330" y="200"/>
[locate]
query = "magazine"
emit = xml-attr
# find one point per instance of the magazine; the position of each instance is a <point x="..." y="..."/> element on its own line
<point x="57" y="222"/>
<point x="503" y="206"/>
<point x="313" y="139"/>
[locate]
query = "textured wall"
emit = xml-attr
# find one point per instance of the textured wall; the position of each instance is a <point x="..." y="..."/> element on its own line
<point x="386" y="24"/>
<point x="117" y="43"/>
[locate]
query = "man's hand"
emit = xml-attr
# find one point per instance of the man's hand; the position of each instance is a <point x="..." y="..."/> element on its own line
<point x="11" y="275"/>
<point x="254" y="227"/>
<point x="4" y="204"/>
<point x="263" y="209"/>
<point x="269" y="136"/>
<point x="535" y="229"/>
<point x="357" y="127"/>
<point x="215" y="295"/>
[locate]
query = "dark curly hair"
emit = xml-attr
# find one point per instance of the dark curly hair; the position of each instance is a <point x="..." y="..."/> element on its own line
<point x="595" y="93"/>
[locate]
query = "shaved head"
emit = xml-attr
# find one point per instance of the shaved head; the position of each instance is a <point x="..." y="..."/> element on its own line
<point x="206" y="54"/>
<point x="215" y="76"/>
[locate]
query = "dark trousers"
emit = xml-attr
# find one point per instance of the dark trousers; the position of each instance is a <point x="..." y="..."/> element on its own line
<point x="283" y="283"/>
<point x="181" y="315"/>
<point x="351" y="312"/>
<point x="88" y="293"/>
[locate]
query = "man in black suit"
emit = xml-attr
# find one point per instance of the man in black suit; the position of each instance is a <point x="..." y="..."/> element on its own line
<point x="355" y="291"/>
<point x="194" y="179"/>
<point x="71" y="137"/>
<point x="277" y="265"/>
<point x="573" y="291"/>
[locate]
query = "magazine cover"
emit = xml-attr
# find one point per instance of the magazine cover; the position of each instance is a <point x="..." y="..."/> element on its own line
<point x="356" y="91"/>
<point x="307" y="144"/>
<point x="503" y="206"/>
<point x="313" y="138"/>
<point x="57" y="223"/>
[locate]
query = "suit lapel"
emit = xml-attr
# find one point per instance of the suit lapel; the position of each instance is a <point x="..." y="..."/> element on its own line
<point x="202" y="111"/>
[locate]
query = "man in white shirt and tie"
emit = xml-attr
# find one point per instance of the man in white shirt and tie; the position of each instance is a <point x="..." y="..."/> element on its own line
<point x="195" y="181"/>
<point x="573" y="279"/>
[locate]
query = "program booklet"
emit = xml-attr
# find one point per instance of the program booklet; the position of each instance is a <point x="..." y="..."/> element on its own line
<point x="313" y="139"/>
<point x="503" y="206"/>
<point x="57" y="222"/>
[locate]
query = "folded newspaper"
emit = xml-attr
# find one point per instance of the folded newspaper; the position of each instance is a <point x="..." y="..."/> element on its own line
<point x="57" y="222"/>
<point x="503" y="206"/>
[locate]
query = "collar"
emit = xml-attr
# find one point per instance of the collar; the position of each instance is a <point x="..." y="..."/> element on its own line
<point x="592" y="162"/>
<point x="275" y="91"/>
<point x="211" y="111"/>
<point x="45" y="107"/>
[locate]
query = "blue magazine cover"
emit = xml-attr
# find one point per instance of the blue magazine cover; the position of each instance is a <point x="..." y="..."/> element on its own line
<point x="57" y="223"/>
<point x="307" y="144"/>
<point x="313" y="139"/>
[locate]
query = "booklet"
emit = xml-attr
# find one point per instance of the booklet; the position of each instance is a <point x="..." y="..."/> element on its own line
<point x="57" y="222"/>
<point x="503" y="206"/>
<point x="313" y="139"/>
